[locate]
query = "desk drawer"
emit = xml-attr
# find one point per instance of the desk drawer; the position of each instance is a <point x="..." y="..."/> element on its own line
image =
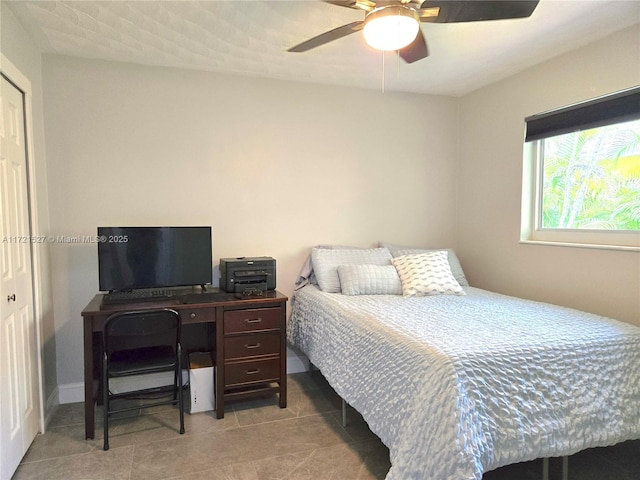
<point x="252" y="345"/>
<point x="255" y="319"/>
<point x="236" y="374"/>
<point x="198" y="315"/>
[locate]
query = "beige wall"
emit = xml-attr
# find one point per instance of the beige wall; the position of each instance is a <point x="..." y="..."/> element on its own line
<point x="491" y="130"/>
<point x="274" y="167"/>
<point x="25" y="56"/>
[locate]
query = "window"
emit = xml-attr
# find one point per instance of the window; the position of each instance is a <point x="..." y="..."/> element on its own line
<point x="581" y="183"/>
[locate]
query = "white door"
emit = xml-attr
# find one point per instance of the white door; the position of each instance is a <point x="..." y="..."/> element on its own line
<point x="18" y="353"/>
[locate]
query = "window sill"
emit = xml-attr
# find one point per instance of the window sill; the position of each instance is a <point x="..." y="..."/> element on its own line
<point x="582" y="245"/>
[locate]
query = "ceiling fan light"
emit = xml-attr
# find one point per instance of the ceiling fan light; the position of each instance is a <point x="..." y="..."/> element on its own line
<point x="391" y="28"/>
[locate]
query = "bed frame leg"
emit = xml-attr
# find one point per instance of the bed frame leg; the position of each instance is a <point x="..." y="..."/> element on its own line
<point x="344" y="413"/>
<point x="565" y="468"/>
<point x="312" y="367"/>
<point x="545" y="468"/>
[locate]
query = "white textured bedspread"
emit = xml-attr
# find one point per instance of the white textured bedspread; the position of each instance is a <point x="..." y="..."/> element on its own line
<point x="459" y="385"/>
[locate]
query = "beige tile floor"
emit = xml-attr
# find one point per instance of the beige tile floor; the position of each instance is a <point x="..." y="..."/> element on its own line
<point x="259" y="441"/>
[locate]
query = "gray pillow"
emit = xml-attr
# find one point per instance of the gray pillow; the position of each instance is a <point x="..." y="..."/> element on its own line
<point x="369" y="280"/>
<point x="306" y="275"/>
<point x="325" y="263"/>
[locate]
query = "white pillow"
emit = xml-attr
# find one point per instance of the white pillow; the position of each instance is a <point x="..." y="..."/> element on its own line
<point x="325" y="263"/>
<point x="369" y="280"/>
<point x="426" y="274"/>
<point x="454" y="263"/>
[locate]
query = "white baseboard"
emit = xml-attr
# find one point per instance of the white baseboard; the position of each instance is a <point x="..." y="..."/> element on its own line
<point x="51" y="405"/>
<point x="296" y="362"/>
<point x="140" y="382"/>
<point x="74" y="392"/>
<point x="71" y="393"/>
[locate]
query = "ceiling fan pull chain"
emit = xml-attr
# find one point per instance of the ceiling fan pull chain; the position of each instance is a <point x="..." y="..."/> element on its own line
<point x="382" y="51"/>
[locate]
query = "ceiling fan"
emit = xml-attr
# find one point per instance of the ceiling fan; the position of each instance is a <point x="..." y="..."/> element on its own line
<point x="395" y="25"/>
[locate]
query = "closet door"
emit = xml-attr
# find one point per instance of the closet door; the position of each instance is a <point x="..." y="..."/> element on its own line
<point x="18" y="353"/>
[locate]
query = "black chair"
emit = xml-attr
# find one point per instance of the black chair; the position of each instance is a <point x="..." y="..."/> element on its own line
<point x="138" y="343"/>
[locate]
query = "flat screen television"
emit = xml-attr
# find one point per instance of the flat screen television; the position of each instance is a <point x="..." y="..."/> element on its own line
<point x="153" y="257"/>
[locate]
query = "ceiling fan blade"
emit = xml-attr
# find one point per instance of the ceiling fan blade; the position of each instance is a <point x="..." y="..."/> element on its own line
<point x="327" y="37"/>
<point x="416" y="50"/>
<point x="365" y="5"/>
<point x="428" y="14"/>
<point x="478" y="10"/>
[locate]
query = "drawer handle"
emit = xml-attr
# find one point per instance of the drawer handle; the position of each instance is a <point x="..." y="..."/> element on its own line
<point x="192" y="315"/>
<point x="253" y="320"/>
<point x="256" y="345"/>
<point x="252" y="372"/>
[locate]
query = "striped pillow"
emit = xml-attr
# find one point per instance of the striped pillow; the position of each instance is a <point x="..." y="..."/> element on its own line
<point x="426" y="274"/>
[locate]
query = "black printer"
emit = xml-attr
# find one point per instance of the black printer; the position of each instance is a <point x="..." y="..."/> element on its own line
<point x="247" y="275"/>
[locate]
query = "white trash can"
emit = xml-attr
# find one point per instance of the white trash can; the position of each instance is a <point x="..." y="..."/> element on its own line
<point x="202" y="382"/>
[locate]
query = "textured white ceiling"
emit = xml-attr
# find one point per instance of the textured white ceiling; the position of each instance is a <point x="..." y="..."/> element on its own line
<point x="251" y="38"/>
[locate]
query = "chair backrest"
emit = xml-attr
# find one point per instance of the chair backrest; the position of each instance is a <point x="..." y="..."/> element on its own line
<point x="132" y="330"/>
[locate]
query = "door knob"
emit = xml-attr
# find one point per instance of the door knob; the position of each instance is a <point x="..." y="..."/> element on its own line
<point x="11" y="298"/>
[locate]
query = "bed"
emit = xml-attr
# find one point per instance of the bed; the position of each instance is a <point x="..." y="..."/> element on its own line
<point x="457" y="384"/>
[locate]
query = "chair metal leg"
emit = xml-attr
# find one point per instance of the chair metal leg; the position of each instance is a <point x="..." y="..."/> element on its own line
<point x="105" y="403"/>
<point x="545" y="468"/>
<point x="180" y="393"/>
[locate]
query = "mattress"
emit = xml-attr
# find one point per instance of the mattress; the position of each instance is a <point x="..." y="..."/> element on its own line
<point x="459" y="385"/>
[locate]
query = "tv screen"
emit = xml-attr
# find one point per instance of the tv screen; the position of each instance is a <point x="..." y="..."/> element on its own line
<point x="153" y="257"/>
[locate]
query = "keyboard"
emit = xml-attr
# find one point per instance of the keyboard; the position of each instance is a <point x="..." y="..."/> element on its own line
<point x="142" y="295"/>
<point x="207" y="297"/>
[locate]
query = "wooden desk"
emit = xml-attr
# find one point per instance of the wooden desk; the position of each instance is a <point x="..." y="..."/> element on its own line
<point x="247" y="335"/>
